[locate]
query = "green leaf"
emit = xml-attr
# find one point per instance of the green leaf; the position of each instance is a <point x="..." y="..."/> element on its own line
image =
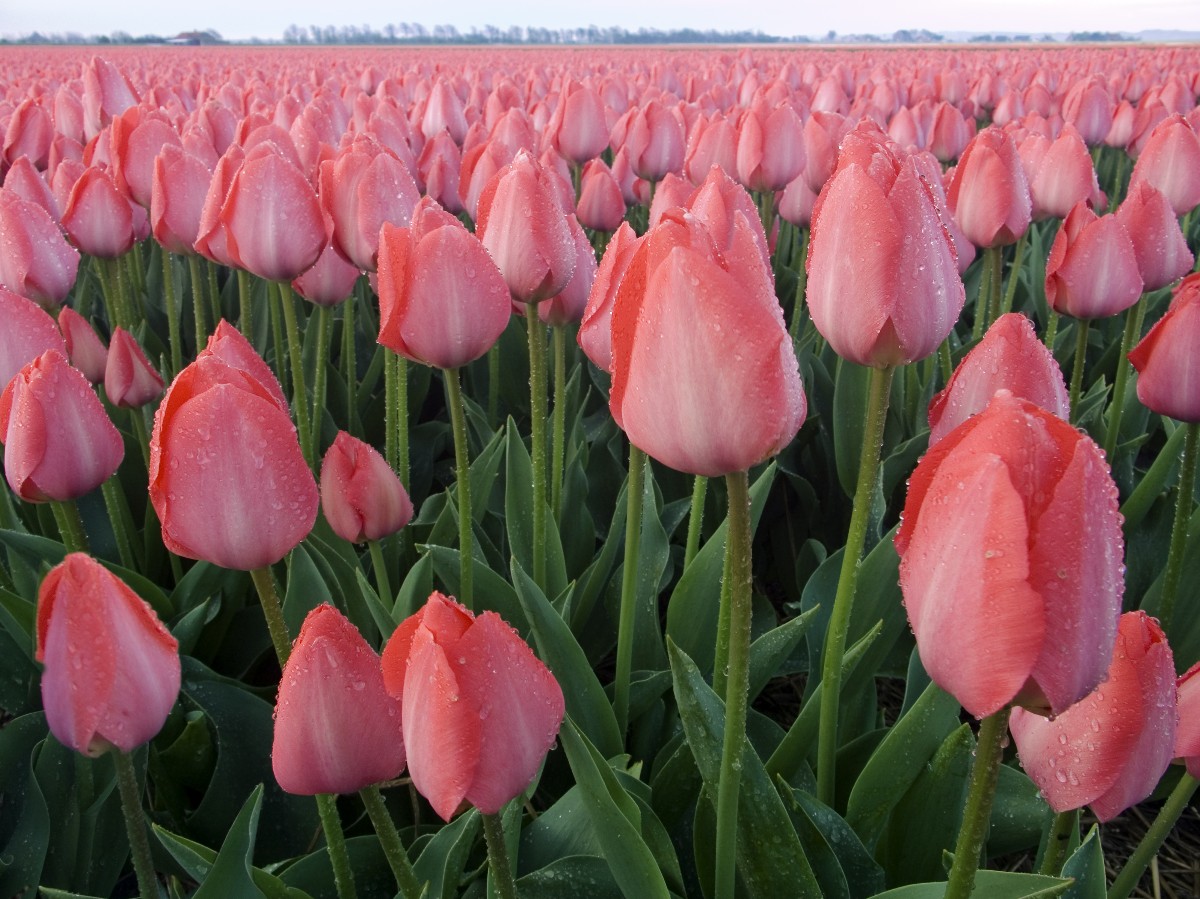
<point x="899" y="761"/>
<point x="415" y="590"/>
<point x="1086" y="865"/>
<point x="850" y="392"/>
<point x="770" y="857"/>
<point x="314" y="872"/>
<point x="571" y="877"/>
<point x="306" y="589"/>
<point x="558" y="648"/>
<point x="1018" y="813"/>
<point x="615" y="817"/>
<point x="772" y="649"/>
<point x="40" y="553"/>
<point x="492" y="592"/>
<point x="440" y="864"/>
<point x="24" y="816"/>
<point x="990" y="885"/>
<point x="230" y="872"/>
<point x="518" y="514"/>
<point x="841" y="863"/>
<point x="653" y="556"/>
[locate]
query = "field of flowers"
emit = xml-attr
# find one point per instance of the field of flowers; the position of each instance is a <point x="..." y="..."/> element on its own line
<point x="595" y="472"/>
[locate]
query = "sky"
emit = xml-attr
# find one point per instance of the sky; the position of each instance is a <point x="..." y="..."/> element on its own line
<point x="244" y="19"/>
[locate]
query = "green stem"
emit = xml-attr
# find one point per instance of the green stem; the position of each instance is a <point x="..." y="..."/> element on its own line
<point x="945" y="361"/>
<point x="537" y="429"/>
<point x="320" y="378"/>
<point x="1164" y="822"/>
<point x="198" y="316"/>
<point x="214" y="291"/>
<point x="171" y="303"/>
<point x="1133" y="331"/>
<point x="70" y="525"/>
<point x="113" y="501"/>
<point x="695" y="519"/>
<point x="466" y="548"/>
<point x="1179" y="530"/>
<point x="296" y="356"/>
<point x="389" y="839"/>
<point x="738" y="686"/>
<point x="112" y="283"/>
<point x="1065" y="826"/>
<point x="335" y="842"/>
<point x="391" y="412"/>
<point x="382" y="581"/>
<point x="720" y="675"/>
<point x="264" y="583"/>
<point x="138" y="422"/>
<point x="246" y="307"/>
<point x="1081" y="339"/>
<point x="996" y="273"/>
<point x="634" y="490"/>
<point x="981" y="300"/>
<point x="137" y="277"/>
<point x="135" y="823"/>
<point x="559" y="424"/>
<point x="502" y="877"/>
<point x="801" y="285"/>
<point x="766" y="211"/>
<point x="350" y="360"/>
<point x="843" y="603"/>
<point x="1051" y="329"/>
<point x="1010" y="290"/>
<point x="985" y="772"/>
<point x="1146" y="493"/>
<point x="493" y="358"/>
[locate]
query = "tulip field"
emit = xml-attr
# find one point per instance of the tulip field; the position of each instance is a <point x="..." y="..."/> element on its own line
<point x="599" y="472"/>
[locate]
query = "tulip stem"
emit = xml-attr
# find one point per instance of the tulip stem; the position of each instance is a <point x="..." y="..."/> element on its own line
<point x="981" y="792"/>
<point x="198" y="317"/>
<point x="335" y="842"/>
<point x="502" y="877"/>
<point x="801" y="285"/>
<point x="1081" y="340"/>
<point x="737" y="687"/>
<point x="170" y="301"/>
<point x="695" y="519"/>
<point x="350" y="361"/>
<point x="70" y="525"/>
<point x="264" y="583"/>
<point x="983" y="297"/>
<point x="493" y="358"/>
<point x="537" y="439"/>
<point x="382" y="581"/>
<point x="1010" y="290"/>
<point x="945" y="361"/>
<point x="1125" y="881"/>
<point x="295" y="354"/>
<point x="114" y="500"/>
<point x="558" y="432"/>
<point x="214" y="294"/>
<point x="1065" y="826"/>
<point x="320" y="377"/>
<point x="389" y="839"/>
<point x="843" y="603"/>
<point x="395" y="382"/>
<point x="995" y="273"/>
<point x="720" y="677"/>
<point x="466" y="549"/>
<point x="135" y="823"/>
<point x="634" y="490"/>
<point x="1179" y="530"/>
<point x="1051" y="329"/>
<point x="246" y="307"/>
<point x="112" y="282"/>
<point x="1133" y="332"/>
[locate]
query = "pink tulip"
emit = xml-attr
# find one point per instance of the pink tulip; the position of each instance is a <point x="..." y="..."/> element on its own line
<point x="1109" y="750"/>
<point x="330" y="281"/>
<point x="1158" y="243"/>
<point x="1168" y="378"/>
<point x="177" y="192"/>
<point x="577" y="129"/>
<point x="1089" y="107"/>
<point x="29" y="133"/>
<point x="28" y="332"/>
<point x="1187" y="735"/>
<point x="672" y="191"/>
<point x="989" y="195"/>
<point x="1170" y="161"/>
<point x="129" y="378"/>
<point x="770" y="147"/>
<point x="361" y="496"/>
<point x="136" y="138"/>
<point x="1092" y="271"/>
<point x="601" y="206"/>
<point x="567" y="307"/>
<point x="439" y="167"/>
<point x="35" y="260"/>
<point x="26" y="182"/>
<point x="1063" y="177"/>
<point x="950" y="133"/>
<point x="85" y="349"/>
<point x="97" y="216"/>
<point x="654" y="141"/>
<point x="713" y="142"/>
<point x="595" y="330"/>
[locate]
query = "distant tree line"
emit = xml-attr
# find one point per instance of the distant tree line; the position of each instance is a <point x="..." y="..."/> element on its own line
<point x="416" y="33"/>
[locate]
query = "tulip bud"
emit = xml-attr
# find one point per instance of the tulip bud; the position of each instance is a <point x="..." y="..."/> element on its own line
<point x="84" y="347"/>
<point x="1187" y="736"/>
<point x="1158" y="242"/>
<point x="1168" y="378"/>
<point x="35" y="259"/>
<point x="360" y="494"/>
<point x="28" y="332"/>
<point x="989" y="194"/>
<point x="129" y="378"/>
<point x="595" y="331"/>
<point x="1092" y="271"/>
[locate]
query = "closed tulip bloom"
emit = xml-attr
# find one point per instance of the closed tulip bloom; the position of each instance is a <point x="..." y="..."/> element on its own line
<point x="129" y="378"/>
<point x="336" y="728"/>
<point x="1089" y="107"/>
<point x="601" y="206"/>
<point x="989" y="195"/>
<point x="654" y="141"/>
<point x="85" y="349"/>
<point x="29" y="133"/>
<point x="595" y="330"/>
<point x="1168" y="377"/>
<point x="330" y="281"/>
<point x="227" y="478"/>
<point x="58" y="441"/>
<point x="1092" y="270"/>
<point x="568" y="306"/>
<point x="770" y="147"/>
<point x="1170" y="161"/>
<point x="1109" y="750"/>
<point x="795" y="204"/>
<point x="106" y="93"/>
<point x="177" y="192"/>
<point x="97" y="217"/>
<point x="883" y="284"/>
<point x="439" y="167"/>
<point x="704" y="376"/>
<point x="442" y="300"/>
<point x="578" y="129"/>
<point x="1064" y="176"/>
<point x="361" y="496"/>
<point x="716" y="203"/>
<point x="112" y="669"/>
<point x="28" y="332"/>
<point x="823" y="133"/>
<point x="480" y="709"/>
<point x="1158" y="242"/>
<point x="35" y="259"/>
<point x="1009" y="357"/>
<point x="1010" y="560"/>
<point x="522" y="226"/>
<point x="949" y="133"/>
<point x="28" y="183"/>
<point x="1187" y="735"/>
<point x="711" y="143"/>
<point x="135" y="140"/>
<point x="673" y="190"/>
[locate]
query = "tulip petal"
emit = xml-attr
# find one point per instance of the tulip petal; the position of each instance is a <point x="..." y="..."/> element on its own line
<point x="80" y="660"/>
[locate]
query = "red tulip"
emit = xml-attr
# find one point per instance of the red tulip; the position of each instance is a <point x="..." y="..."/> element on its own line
<point x="129" y="378"/>
<point x="442" y="300"/>
<point x="1170" y="161"/>
<point x="1010" y="357"/>
<point x="480" y="710"/>
<point x="28" y="332"/>
<point x="361" y="496"/>
<point x="112" y="668"/>
<point x="883" y="284"/>
<point x="227" y="478"/>
<point x="1092" y="271"/>
<point x="336" y="728"/>
<point x="1168" y="377"/>
<point x="85" y="349"/>
<point x="1187" y="735"/>
<point x="58" y="441"/>
<point x="1158" y="242"/>
<point x="1109" y="750"/>
<point x="704" y="377"/>
<point x="595" y="330"/>
<point x="988" y="194"/>
<point x="35" y="260"/>
<point x="1010" y="560"/>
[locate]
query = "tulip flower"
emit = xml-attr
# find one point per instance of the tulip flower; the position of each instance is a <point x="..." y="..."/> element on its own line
<point x="97" y="217"/>
<point x="673" y="190"/>
<point x="329" y="282"/>
<point x="59" y="443"/>
<point x="439" y="167"/>
<point x="27" y="182"/>
<point x="29" y="331"/>
<point x="112" y="668"/>
<point x="129" y="378"/>
<point x="1158" y="242"/>
<point x="1187" y="735"/>
<point x="1063" y="176"/>
<point x="1009" y="357"/>
<point x="716" y="201"/>
<point x="770" y="147"/>
<point x="336" y="728"/>
<point x="1170" y="161"/>
<point x="595" y="330"/>
<point x="1092" y="271"/>
<point x="568" y="306"/>
<point x="177" y="194"/>
<point x="29" y="133"/>
<point x="35" y="259"/>
<point x="1010" y="560"/>
<point x="988" y="194"/>
<point x="227" y="478"/>
<point x="1168" y="379"/>
<point x="360" y="494"/>
<point x="136" y="137"/>
<point x="1109" y="750"/>
<point x="480" y="710"/>
<point x="711" y="143"/>
<point x="85" y="349"/>
<point x="654" y="141"/>
<point x="577" y="129"/>
<point x="601" y="206"/>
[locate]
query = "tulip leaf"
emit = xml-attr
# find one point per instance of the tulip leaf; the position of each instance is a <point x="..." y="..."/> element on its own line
<point x="415" y="589"/>
<point x="841" y="863"/>
<point x="851" y="388"/>
<point x="770" y="857"/>
<point x="772" y="649"/>
<point x="492" y="592"/>
<point x="518" y="515"/>
<point x="590" y="586"/>
<point x="1086" y="865"/>
<point x="570" y="877"/>
<point x="441" y="862"/>
<point x="558" y="648"/>
<point x="653" y="556"/>
<point x="39" y="553"/>
<point x="898" y="762"/>
<point x="990" y="885"/>
<point x="695" y="601"/>
<point x="615" y="818"/>
<point x="314" y="873"/>
<point x="306" y="589"/>
<point x="1018" y="813"/>
<point x="24" y="815"/>
<point x="379" y="614"/>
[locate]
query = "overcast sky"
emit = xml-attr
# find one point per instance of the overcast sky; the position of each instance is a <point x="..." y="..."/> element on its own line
<point x="241" y="19"/>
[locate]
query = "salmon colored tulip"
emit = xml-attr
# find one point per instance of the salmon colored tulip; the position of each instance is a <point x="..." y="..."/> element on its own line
<point x="601" y="206"/>
<point x="85" y="349"/>
<point x="1168" y="377"/>
<point x="112" y="669"/>
<point x="336" y="728"/>
<point x="712" y="142"/>
<point x="129" y="378"/>
<point x="439" y="168"/>
<point x="578" y="129"/>
<point x="988" y="194"/>
<point x="31" y="185"/>
<point x="361" y="496"/>
<point x="136" y="137"/>
<point x="770" y="147"/>
<point x="568" y="306"/>
<point x="1092" y="270"/>
<point x="227" y="478"/>
<point x="480" y="709"/>
<point x="673" y="190"/>
<point x="330" y="281"/>
<point x="1011" y="560"/>
<point x="29" y="133"/>
<point x="107" y="92"/>
<point x="97" y="216"/>
<point x="716" y="203"/>
<point x="35" y="260"/>
<point x="177" y="192"/>
<point x="1158" y="243"/>
<point x="949" y="133"/>
<point x="595" y="331"/>
<point x="704" y="376"/>
<point x="1187" y="735"/>
<point x="1089" y="107"/>
<point x="1063" y="176"/>
<point x="1109" y="750"/>
<point x="1170" y="161"/>
<point x="58" y="441"/>
<point x="442" y="300"/>
<point x="212" y="234"/>
<point x="28" y="332"/>
<point x="654" y="141"/>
